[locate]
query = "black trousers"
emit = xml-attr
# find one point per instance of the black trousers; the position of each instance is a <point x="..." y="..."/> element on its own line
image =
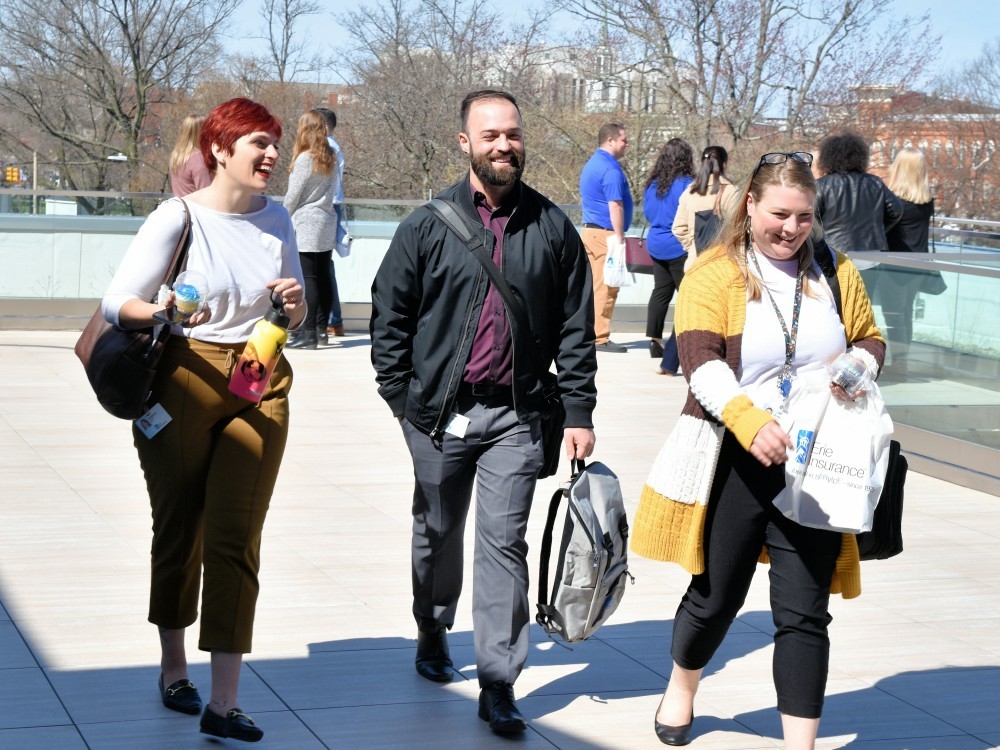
<point x="667" y="277"/>
<point x="741" y="520"/>
<point x="319" y="288"/>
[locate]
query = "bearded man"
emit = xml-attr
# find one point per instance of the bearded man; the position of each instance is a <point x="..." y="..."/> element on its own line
<point x="467" y="389"/>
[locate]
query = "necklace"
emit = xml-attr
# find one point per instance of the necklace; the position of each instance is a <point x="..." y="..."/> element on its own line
<point x="785" y="373"/>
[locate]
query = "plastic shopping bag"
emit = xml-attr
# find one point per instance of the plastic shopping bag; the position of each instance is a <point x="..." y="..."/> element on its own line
<point x="616" y="272"/>
<point x="835" y="473"/>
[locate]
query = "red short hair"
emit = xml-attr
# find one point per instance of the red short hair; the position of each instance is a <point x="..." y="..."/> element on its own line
<point x="229" y="122"/>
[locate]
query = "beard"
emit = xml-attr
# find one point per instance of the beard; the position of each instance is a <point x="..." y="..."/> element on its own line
<point x="483" y="168"/>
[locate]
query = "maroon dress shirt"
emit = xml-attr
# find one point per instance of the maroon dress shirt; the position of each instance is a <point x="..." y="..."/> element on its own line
<point x="491" y="359"/>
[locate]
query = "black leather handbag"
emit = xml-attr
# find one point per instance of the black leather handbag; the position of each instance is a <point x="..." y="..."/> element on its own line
<point x="120" y="363"/>
<point x="885" y="540"/>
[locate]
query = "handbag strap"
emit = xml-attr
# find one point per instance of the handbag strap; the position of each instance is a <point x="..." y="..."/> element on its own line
<point x="177" y="261"/>
<point x="179" y="258"/>
<point x="718" y="198"/>
<point x="450" y="214"/>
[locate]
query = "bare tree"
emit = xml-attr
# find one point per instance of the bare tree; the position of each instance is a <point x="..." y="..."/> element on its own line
<point x="726" y="64"/>
<point x="288" y="56"/>
<point x="411" y="63"/>
<point x="92" y="74"/>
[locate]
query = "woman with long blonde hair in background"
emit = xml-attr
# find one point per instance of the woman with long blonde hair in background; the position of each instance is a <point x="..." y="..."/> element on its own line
<point x="898" y="287"/>
<point x="309" y="199"/>
<point x="187" y="165"/>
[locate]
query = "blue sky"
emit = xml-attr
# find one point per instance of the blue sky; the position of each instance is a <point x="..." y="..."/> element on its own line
<point x="965" y="26"/>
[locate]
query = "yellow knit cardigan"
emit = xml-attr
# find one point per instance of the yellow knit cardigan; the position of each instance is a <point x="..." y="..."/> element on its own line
<point x="711" y="313"/>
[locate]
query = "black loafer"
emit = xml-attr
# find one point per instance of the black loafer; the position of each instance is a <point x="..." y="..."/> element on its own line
<point x="496" y="705"/>
<point x="675" y="736"/>
<point x="181" y="696"/>
<point x="234" y="725"/>
<point x="611" y="346"/>
<point x="433" y="658"/>
<point x="655" y="349"/>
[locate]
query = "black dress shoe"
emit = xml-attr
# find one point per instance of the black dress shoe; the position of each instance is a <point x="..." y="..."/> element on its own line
<point x="234" y="725"/>
<point x="611" y="346"/>
<point x="655" y="349"/>
<point x="496" y="705"/>
<point x="675" y="736"/>
<point x="181" y="696"/>
<point x="433" y="659"/>
<point x="322" y="338"/>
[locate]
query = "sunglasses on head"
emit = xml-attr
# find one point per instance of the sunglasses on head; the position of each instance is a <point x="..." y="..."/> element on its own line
<point x="780" y="157"/>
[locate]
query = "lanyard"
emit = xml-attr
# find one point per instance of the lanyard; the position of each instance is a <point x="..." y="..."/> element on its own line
<point x="785" y="374"/>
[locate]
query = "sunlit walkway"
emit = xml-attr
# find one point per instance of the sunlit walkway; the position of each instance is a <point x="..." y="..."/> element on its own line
<point x="916" y="660"/>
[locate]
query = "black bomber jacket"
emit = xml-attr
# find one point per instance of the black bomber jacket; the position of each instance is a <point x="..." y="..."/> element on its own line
<point x="429" y="292"/>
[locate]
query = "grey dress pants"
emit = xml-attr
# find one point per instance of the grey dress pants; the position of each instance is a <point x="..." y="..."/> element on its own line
<point x="500" y="457"/>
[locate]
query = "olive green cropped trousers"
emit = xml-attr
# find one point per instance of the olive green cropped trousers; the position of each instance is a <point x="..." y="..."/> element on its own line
<point x="210" y="473"/>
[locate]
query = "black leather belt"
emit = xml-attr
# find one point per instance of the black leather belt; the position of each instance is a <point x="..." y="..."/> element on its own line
<point x="587" y="225"/>
<point x="487" y="392"/>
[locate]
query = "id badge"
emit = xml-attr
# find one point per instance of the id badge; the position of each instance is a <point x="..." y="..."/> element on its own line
<point x="153" y="421"/>
<point x="457" y="425"/>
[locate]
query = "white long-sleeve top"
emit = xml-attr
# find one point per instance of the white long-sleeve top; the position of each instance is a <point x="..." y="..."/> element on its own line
<point x="239" y="254"/>
<point x="820" y="337"/>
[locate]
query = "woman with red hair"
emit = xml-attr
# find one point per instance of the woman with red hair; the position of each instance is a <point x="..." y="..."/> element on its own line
<point x="211" y="468"/>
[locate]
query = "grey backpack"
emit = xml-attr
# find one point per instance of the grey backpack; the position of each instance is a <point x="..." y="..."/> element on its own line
<point x="592" y="564"/>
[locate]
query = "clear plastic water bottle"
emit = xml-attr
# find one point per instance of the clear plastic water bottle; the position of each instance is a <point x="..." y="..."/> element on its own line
<point x="848" y="372"/>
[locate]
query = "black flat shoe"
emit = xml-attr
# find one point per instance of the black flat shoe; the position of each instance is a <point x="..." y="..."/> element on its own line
<point x="433" y="658"/>
<point x="675" y="736"/>
<point x="655" y="349"/>
<point x="234" y="725"/>
<point x="305" y="340"/>
<point x="496" y="705"/>
<point x="181" y="696"/>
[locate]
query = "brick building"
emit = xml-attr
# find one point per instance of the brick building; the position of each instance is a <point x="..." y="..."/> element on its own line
<point x="959" y="137"/>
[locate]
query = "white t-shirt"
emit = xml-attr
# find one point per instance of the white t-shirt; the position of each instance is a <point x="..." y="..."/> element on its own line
<point x="239" y="254"/>
<point x="820" y="337"/>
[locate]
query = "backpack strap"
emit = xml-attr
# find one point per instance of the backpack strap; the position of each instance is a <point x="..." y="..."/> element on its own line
<point x="448" y="212"/>
<point x="545" y="611"/>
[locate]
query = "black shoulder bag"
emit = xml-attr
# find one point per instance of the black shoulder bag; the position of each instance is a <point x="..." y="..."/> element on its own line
<point x="885" y="540"/>
<point x="121" y="363"/>
<point x="554" y="418"/>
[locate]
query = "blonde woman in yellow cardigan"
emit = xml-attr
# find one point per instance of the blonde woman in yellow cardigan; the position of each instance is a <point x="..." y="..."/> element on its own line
<point x="753" y="314"/>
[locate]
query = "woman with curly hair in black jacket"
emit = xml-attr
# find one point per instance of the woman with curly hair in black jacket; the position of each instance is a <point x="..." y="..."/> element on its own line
<point x="854" y="208"/>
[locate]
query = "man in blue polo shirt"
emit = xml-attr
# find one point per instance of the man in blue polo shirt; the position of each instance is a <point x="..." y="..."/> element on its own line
<point x="607" y="211"/>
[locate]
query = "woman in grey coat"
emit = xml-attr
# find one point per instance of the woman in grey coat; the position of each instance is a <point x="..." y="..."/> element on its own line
<point x="312" y="186"/>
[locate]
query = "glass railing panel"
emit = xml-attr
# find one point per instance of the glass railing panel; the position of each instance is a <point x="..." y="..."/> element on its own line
<point x="939" y="315"/>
